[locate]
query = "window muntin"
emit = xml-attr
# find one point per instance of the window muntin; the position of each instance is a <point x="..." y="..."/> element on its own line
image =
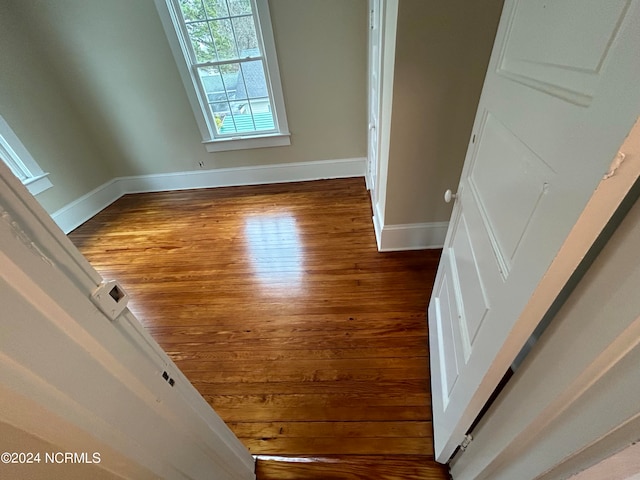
<point x="223" y="42"/>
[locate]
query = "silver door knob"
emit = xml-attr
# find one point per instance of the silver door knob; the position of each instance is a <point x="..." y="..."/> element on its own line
<point x="449" y="195"/>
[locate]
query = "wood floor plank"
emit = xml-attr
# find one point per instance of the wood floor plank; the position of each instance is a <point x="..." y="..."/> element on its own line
<point x="340" y="446"/>
<point x="412" y="345"/>
<point x="344" y="430"/>
<point x="284" y="343"/>
<point x="289" y="329"/>
<point x="259" y="413"/>
<point x="317" y="375"/>
<point x="289" y="337"/>
<point x="275" y="303"/>
<point x="334" y="400"/>
<point x="385" y="387"/>
<point x="212" y="352"/>
<point x="316" y="370"/>
<point x="349" y="467"/>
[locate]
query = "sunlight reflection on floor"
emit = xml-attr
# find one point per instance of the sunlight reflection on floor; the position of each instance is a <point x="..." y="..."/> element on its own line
<point x="276" y="253"/>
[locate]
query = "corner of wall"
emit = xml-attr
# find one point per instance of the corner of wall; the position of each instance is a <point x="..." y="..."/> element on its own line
<point x="75" y="213"/>
<point x="412" y="236"/>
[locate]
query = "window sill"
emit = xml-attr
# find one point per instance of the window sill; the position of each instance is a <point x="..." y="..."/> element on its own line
<point x="245" y="143"/>
<point x="38" y="184"/>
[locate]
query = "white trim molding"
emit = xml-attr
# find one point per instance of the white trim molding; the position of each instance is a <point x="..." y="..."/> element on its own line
<point x="20" y="161"/>
<point x="411" y="236"/>
<point x="389" y="20"/>
<point x="79" y="211"/>
<point x="262" y="141"/>
<point x="236" y="176"/>
<point x="82" y="209"/>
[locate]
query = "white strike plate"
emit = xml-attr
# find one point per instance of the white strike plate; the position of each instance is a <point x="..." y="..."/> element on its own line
<point x="110" y="298"/>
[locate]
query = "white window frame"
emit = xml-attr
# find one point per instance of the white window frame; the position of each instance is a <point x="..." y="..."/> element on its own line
<point x="183" y="53"/>
<point x="20" y="162"/>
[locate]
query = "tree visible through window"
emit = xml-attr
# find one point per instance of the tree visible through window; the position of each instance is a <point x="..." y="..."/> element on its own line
<point x="229" y="64"/>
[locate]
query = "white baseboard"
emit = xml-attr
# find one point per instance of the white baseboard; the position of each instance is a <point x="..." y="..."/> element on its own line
<point x="82" y="209"/>
<point x="367" y="175"/>
<point x="377" y="226"/>
<point x="79" y="211"/>
<point x="259" y="175"/>
<point x="413" y="236"/>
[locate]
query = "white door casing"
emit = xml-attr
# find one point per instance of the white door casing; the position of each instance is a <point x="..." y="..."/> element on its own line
<point x="559" y="98"/>
<point x="375" y="69"/>
<point x="65" y="367"/>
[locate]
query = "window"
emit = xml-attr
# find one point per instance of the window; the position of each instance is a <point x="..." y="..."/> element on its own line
<point x="17" y="158"/>
<point x="227" y="59"/>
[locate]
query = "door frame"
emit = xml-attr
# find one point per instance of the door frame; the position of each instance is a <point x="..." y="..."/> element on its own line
<point x="42" y="271"/>
<point x="375" y="28"/>
<point x="388" y="19"/>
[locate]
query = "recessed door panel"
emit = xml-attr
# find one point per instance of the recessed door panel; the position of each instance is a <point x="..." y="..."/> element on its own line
<point x="548" y="48"/>
<point x="508" y="181"/>
<point x="446" y="332"/>
<point x="469" y="284"/>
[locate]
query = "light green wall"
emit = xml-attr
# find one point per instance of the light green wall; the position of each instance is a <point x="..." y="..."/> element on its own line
<point x="442" y="52"/>
<point x="114" y="56"/>
<point x="42" y="112"/>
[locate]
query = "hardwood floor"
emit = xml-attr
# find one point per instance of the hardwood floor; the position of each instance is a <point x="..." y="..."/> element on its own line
<point x="275" y="303"/>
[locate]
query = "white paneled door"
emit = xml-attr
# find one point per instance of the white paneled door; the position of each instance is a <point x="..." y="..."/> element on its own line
<point x="560" y="95"/>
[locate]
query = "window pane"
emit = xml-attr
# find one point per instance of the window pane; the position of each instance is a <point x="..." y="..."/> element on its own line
<point x="225" y="41"/>
<point x="219" y="82"/>
<point x="201" y="41"/>
<point x="230" y="76"/>
<point x="255" y="82"/>
<point x="192" y="10"/>
<point x="262" y="114"/>
<point x="248" y="116"/>
<point x="216" y="8"/>
<point x="239" y="7"/>
<point x="241" y="91"/>
<point x="246" y="37"/>
<point x="242" y="116"/>
<point x="224" y="121"/>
